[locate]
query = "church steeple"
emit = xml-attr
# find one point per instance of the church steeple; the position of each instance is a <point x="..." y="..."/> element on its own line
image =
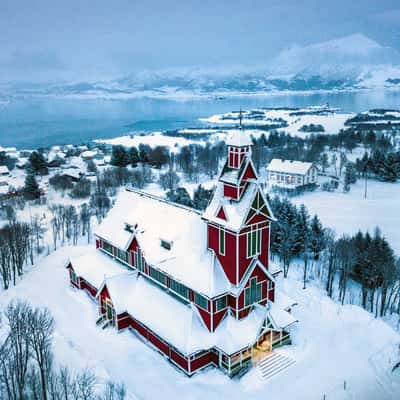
<point x="239" y="144"/>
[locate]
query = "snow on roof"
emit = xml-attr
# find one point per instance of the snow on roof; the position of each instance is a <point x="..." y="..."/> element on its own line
<point x="4" y="189"/>
<point x="177" y="323"/>
<point x="4" y="170"/>
<point x="239" y="138"/>
<point x="280" y="318"/>
<point x="236" y="211"/>
<point x="289" y="166"/>
<point x="72" y="172"/>
<point x="88" y="154"/>
<point x="284" y="301"/>
<point x="232" y="175"/>
<point x="188" y="260"/>
<point x="94" y="266"/>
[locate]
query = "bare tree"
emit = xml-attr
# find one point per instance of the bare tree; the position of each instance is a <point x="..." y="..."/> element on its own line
<point x="41" y="327"/>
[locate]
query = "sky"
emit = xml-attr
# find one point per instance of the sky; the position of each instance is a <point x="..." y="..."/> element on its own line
<point x="54" y="40"/>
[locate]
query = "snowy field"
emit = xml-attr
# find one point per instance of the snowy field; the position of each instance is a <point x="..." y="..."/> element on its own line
<point x="332" y="344"/>
<point x="349" y="212"/>
<point x="331" y="120"/>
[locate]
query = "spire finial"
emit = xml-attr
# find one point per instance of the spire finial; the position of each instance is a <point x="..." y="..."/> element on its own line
<point x="240" y="118"/>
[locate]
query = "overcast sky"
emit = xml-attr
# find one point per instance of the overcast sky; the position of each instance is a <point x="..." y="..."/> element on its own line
<point x="95" y="39"/>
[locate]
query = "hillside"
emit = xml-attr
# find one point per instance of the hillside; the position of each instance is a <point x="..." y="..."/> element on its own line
<point x="351" y="62"/>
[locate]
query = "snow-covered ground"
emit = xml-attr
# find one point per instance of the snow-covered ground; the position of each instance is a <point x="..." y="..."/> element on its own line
<point x="331" y="120"/>
<point x="350" y="212"/>
<point x="153" y="139"/>
<point x="332" y="344"/>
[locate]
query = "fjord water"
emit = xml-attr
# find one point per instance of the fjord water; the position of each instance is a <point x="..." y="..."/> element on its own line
<point x="43" y="121"/>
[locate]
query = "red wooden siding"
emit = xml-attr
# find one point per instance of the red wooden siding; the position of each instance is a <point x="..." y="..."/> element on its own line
<point x="217" y="317"/>
<point x="228" y="261"/>
<point x="123" y="321"/>
<point x="88" y="287"/>
<point x="156" y="341"/>
<point x="134" y="245"/>
<point x="230" y="191"/>
<point x="205" y="316"/>
<point x="249" y="173"/>
<point x="221" y="214"/>
<point x="180" y="360"/>
<point x="201" y="361"/>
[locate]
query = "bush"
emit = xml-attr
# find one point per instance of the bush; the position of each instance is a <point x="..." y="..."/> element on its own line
<point x="81" y="189"/>
<point x="180" y="196"/>
<point x="61" y="182"/>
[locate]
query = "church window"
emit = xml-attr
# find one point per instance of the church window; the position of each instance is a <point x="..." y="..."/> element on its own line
<point x="253" y="243"/>
<point x="201" y="301"/>
<point x="221" y="241"/>
<point x="253" y="293"/>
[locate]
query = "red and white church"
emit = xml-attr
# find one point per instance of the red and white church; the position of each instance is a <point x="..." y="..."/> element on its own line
<point x="196" y="286"/>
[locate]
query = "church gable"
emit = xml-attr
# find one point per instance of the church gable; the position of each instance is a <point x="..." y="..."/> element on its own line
<point x="249" y="172"/>
<point x="259" y="210"/>
<point x="221" y="214"/>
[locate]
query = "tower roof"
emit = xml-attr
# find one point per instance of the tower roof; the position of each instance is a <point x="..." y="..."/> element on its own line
<point x="239" y="138"/>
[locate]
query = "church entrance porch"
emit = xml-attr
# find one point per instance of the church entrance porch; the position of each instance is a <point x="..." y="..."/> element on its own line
<point x="107" y="313"/>
<point x="262" y="348"/>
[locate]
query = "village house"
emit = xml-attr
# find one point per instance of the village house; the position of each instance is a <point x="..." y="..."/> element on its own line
<point x="198" y="287"/>
<point x="4" y="171"/>
<point x="289" y="174"/>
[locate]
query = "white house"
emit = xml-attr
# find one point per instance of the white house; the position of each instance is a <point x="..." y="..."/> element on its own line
<point x="290" y="174"/>
<point x="4" y="171"/>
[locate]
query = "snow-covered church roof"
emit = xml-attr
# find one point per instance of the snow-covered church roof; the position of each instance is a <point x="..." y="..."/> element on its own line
<point x="239" y="138"/>
<point x="153" y="220"/>
<point x="235" y="211"/>
<point x="177" y="323"/>
<point x="95" y="266"/>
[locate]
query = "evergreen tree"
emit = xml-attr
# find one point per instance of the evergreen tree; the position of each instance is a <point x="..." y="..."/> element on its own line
<point x="144" y="152"/>
<point x="304" y="238"/>
<point x="180" y="196"/>
<point x="324" y="162"/>
<point x="133" y="156"/>
<point x="317" y="240"/>
<point x="91" y="166"/>
<point x="377" y="160"/>
<point x="31" y="188"/>
<point x="119" y="156"/>
<point x="350" y="177"/>
<point x="201" y="197"/>
<point x="390" y="168"/>
<point x="37" y="163"/>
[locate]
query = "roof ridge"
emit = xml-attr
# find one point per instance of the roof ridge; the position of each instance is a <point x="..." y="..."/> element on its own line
<point x="129" y="188"/>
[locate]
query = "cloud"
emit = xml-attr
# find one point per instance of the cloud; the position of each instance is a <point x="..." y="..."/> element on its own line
<point x="389" y="17"/>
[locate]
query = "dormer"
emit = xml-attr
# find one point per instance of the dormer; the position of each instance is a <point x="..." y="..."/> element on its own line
<point x="166" y="244"/>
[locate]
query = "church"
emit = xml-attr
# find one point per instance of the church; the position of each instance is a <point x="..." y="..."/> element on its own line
<point x="198" y="287"/>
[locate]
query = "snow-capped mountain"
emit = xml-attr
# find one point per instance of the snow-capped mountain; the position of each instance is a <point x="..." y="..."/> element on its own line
<point x="354" y="61"/>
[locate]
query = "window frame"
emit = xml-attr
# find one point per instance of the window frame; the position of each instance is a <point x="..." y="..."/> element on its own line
<point x="198" y="299"/>
<point x="218" y="306"/>
<point x="253" y="243"/>
<point x="251" y="297"/>
<point x="222" y="239"/>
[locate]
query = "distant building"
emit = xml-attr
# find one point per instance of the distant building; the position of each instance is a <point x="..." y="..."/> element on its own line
<point x="88" y="155"/>
<point x="4" y="170"/>
<point x="288" y="174"/>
